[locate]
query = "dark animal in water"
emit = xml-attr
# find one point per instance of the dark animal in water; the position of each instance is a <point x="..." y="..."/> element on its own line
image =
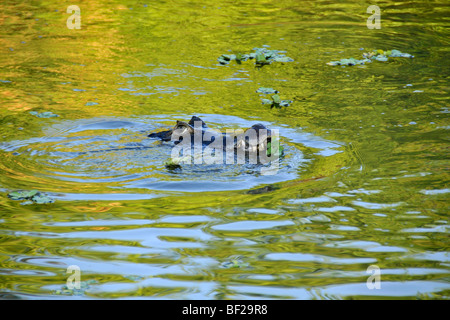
<point x="254" y="139"/>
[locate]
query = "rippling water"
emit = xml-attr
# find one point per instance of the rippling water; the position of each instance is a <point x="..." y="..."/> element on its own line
<point x="364" y="181"/>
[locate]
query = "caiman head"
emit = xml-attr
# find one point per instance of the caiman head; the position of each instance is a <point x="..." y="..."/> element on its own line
<point x="254" y="138"/>
<point x="181" y="128"/>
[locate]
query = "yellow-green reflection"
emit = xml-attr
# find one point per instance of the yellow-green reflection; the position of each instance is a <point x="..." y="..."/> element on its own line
<point x="384" y="195"/>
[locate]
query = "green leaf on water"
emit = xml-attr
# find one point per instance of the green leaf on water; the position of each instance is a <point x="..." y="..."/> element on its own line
<point x="282" y="59"/>
<point x="226" y="57"/>
<point x="175" y="163"/>
<point x="398" y="54"/>
<point x="222" y="61"/>
<point x="267" y="90"/>
<point x="269" y="148"/>
<point x="45" y="114"/>
<point x="260" y="57"/>
<point x="285" y="103"/>
<point x="239" y="58"/>
<point x="381" y="58"/>
<point x="172" y="165"/>
<point x="32" y="196"/>
<point x="276" y="99"/>
<point x="42" y="199"/>
<point x="22" y="195"/>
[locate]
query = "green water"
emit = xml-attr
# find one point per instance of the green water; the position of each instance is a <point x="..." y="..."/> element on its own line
<point x="364" y="180"/>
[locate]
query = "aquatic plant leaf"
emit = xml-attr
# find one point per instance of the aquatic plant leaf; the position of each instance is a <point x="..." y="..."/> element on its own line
<point x="84" y="286"/>
<point x="267" y="90"/>
<point x="381" y="58"/>
<point x="269" y="149"/>
<point x="266" y="101"/>
<point x="171" y="164"/>
<point x="239" y="58"/>
<point x="283" y="59"/>
<point x="226" y="57"/>
<point x="22" y="195"/>
<point x="276" y="99"/>
<point x="222" y="61"/>
<point x="378" y="55"/>
<point x="398" y="54"/>
<point x="285" y="103"/>
<point x="42" y="199"/>
<point x="33" y="195"/>
<point x="45" y="114"/>
<point x="260" y="57"/>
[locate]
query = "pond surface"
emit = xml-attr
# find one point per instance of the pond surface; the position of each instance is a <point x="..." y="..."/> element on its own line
<point x="364" y="180"/>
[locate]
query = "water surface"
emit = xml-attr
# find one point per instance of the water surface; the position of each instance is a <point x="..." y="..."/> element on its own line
<point x="364" y="181"/>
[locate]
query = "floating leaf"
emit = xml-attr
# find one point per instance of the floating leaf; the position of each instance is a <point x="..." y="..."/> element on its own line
<point x="226" y="57"/>
<point x="172" y="164"/>
<point x="239" y="58"/>
<point x="283" y="59"/>
<point x="399" y="54"/>
<point x="276" y="99"/>
<point x="381" y="58"/>
<point x="22" y="195"/>
<point x="175" y="163"/>
<point x="285" y="103"/>
<point x="46" y="114"/>
<point x="32" y="195"/>
<point x="84" y="286"/>
<point x="267" y="90"/>
<point x="222" y="61"/>
<point x="378" y="55"/>
<point x="262" y="56"/>
<point x="42" y="199"/>
<point x="269" y="148"/>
